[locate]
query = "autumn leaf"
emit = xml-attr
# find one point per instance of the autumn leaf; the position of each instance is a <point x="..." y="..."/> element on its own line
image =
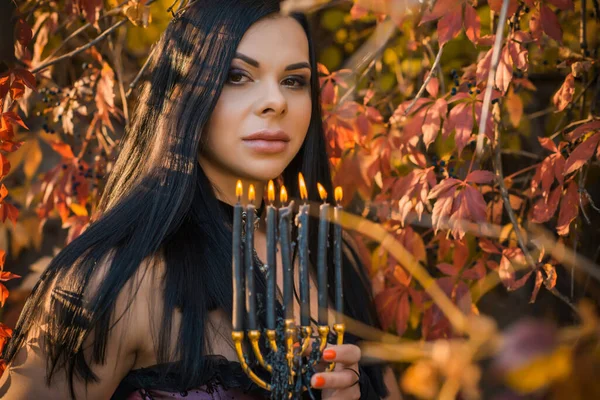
<point x="569" y="209"/>
<point x="433" y="121"/>
<point x="460" y="119"/>
<point x="450" y="25"/>
<point x="564" y="96"/>
<point x="472" y="24"/>
<point x="582" y="154"/>
<point x="506" y="270"/>
<point x="63" y="149"/>
<point x="138" y="13"/>
<point x="480" y="177"/>
<point x="545" y="207"/>
<point x="550" y="23"/>
<point x="23" y="32"/>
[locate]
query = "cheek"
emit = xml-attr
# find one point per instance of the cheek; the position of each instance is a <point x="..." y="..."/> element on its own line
<point x="299" y="117"/>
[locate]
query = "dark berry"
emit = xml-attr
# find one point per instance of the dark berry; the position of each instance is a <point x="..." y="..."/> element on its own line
<point x="64" y="166"/>
<point x="453" y="91"/>
<point x="469" y="85"/>
<point x="478" y="91"/>
<point x="545" y="62"/>
<point x="443" y="163"/>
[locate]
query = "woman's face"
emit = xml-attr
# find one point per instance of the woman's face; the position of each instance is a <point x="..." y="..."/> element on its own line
<point x="262" y="116"/>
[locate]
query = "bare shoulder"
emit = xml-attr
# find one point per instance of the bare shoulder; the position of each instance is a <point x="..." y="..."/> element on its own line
<point x="24" y="377"/>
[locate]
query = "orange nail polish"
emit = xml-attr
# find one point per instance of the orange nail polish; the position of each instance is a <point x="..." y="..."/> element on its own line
<point x="329" y="354"/>
<point x="319" y="382"/>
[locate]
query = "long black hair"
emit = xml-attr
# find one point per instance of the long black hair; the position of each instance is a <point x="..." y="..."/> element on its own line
<point x="158" y="201"/>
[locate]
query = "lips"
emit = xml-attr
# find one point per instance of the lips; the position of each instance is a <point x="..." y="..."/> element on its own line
<point x="266" y="141"/>
<point x="269" y="136"/>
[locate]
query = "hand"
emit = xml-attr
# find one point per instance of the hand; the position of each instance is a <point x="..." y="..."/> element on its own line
<point x="342" y="382"/>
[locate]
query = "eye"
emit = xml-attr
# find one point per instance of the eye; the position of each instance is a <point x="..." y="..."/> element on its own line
<point x="296" y="82"/>
<point x="235" y="76"/>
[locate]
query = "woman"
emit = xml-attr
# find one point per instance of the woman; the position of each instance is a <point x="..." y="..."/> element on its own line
<point x="139" y="305"/>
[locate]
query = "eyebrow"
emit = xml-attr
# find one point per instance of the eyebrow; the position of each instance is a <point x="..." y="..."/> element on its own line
<point x="256" y="64"/>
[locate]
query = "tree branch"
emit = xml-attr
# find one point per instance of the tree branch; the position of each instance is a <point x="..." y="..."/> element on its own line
<point x="435" y="65"/>
<point x="487" y="98"/>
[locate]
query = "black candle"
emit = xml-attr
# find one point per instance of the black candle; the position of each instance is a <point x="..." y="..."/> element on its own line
<point x="322" y="256"/>
<point x="271" y="256"/>
<point x="249" y="259"/>
<point x="303" y="253"/>
<point x="285" y="215"/>
<point x="337" y="255"/>
<point x="237" y="261"/>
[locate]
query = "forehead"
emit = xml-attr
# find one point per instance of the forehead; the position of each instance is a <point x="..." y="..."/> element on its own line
<point x="272" y="41"/>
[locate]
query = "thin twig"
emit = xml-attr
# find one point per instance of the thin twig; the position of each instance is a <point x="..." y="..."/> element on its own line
<point x="487" y="98"/>
<point x="73" y="53"/>
<point x="440" y="73"/>
<point x="140" y="73"/>
<point x="98" y="39"/>
<point x="435" y="65"/>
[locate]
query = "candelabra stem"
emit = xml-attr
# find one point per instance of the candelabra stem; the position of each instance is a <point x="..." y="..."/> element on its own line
<point x="271" y="336"/>
<point x="340" y="329"/>
<point x="238" y="337"/>
<point x="254" y="336"/>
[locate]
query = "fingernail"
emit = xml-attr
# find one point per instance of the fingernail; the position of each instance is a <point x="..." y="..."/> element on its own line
<point x="329" y="354"/>
<point x="319" y="382"/>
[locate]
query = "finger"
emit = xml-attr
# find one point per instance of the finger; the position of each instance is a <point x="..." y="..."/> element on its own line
<point x="333" y="380"/>
<point x="348" y="354"/>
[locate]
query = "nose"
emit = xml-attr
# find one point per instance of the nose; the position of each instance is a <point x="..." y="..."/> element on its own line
<point x="273" y="102"/>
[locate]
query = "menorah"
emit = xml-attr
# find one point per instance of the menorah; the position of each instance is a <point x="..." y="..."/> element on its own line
<point x="294" y="340"/>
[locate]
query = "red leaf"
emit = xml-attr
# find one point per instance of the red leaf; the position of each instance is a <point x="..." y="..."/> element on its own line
<point x="550" y="23"/>
<point x="504" y="73"/>
<point x="496" y="5"/>
<point x="9" y="211"/>
<point x="3" y="294"/>
<point x="25" y="77"/>
<point x="548" y="144"/>
<point x="63" y="149"/>
<point x="562" y="4"/>
<point x="480" y="177"/>
<point x="402" y="314"/>
<point x="7" y="276"/>
<point x="448" y="269"/>
<point x="461" y="120"/>
<point x="433" y="86"/>
<point x="583" y="129"/>
<point x="433" y="121"/>
<point x="475" y="203"/>
<point x="545" y="208"/>
<point x="449" y="25"/>
<point x="487" y="246"/>
<point x="564" y="96"/>
<point x="448" y="184"/>
<point x="506" y="270"/>
<point x="569" y="209"/>
<point x="23" y="32"/>
<point x="582" y="154"/>
<point x="538" y="284"/>
<point x="472" y="24"/>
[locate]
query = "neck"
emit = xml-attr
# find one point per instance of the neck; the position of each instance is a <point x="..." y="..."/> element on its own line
<point x="225" y="184"/>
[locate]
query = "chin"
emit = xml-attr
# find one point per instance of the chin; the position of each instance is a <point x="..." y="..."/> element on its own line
<point x="264" y="172"/>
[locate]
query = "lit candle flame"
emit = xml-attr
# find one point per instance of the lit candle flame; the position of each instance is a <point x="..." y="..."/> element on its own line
<point x="322" y="192"/>
<point x="239" y="190"/>
<point x="303" y="191"/>
<point x="251" y="193"/>
<point x="271" y="192"/>
<point x="283" y="195"/>
<point x="338" y="194"/>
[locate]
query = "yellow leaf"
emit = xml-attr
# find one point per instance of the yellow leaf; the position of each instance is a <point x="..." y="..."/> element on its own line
<point x="541" y="371"/>
<point x="79" y="210"/>
<point x="138" y="14"/>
